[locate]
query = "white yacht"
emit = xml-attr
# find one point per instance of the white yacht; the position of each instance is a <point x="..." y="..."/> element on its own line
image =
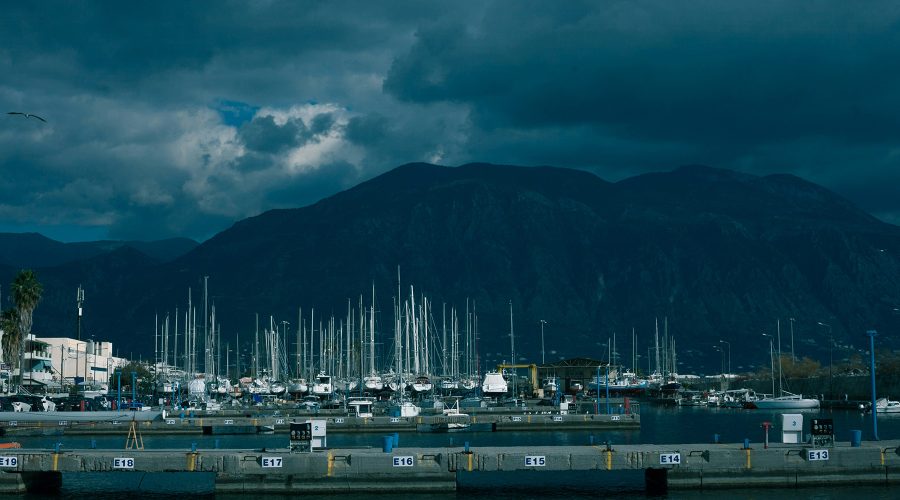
<point x="494" y="384"/>
<point x="322" y="385"/>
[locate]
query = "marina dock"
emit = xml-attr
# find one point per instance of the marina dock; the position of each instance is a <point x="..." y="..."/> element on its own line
<point x="682" y="466"/>
<point x="237" y="424"/>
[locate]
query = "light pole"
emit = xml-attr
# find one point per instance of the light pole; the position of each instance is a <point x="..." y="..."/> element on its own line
<point x="729" y="353"/>
<point x="830" y="359"/>
<point x="542" y="341"/>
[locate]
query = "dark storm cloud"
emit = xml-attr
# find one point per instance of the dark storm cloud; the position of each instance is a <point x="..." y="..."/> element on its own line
<point x="264" y="135"/>
<point x="621" y="87"/>
<point x="181" y="117"/>
<point x="720" y="72"/>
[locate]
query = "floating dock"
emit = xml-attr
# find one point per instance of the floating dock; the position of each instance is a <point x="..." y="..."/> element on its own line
<point x="487" y="421"/>
<point x="406" y="470"/>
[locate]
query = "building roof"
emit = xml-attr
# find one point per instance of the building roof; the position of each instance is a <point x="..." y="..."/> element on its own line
<point x="575" y="363"/>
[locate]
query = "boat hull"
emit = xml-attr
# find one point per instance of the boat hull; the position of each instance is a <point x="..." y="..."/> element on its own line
<point x="783" y="404"/>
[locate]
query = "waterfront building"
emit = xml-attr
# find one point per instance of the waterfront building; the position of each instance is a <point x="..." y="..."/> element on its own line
<point x="82" y="361"/>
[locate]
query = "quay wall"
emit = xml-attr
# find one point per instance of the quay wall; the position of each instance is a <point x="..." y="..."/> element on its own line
<point x="678" y="466"/>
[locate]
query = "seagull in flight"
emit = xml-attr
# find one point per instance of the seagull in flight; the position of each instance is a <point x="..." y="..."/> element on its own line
<point x="26" y="115"/>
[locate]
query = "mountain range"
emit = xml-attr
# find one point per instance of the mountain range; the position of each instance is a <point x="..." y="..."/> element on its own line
<point x="714" y="256"/>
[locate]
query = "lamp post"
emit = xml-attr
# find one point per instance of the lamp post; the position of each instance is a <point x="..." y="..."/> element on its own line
<point x="729" y="353"/>
<point x="542" y="341"/>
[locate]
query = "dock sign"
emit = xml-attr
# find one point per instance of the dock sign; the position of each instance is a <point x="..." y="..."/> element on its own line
<point x="9" y="461"/>
<point x="816" y="455"/>
<point x="535" y="461"/>
<point x="403" y="461"/>
<point x="272" y="462"/>
<point x="123" y="463"/>
<point x="670" y="459"/>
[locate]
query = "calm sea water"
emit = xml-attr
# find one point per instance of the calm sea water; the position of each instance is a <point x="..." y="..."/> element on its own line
<point x="662" y="425"/>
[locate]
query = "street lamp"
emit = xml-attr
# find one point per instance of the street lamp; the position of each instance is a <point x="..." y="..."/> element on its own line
<point x="542" y="341"/>
<point x="729" y="353"/>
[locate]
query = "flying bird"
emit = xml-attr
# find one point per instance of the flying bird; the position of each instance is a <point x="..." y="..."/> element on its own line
<point x="26" y="115"/>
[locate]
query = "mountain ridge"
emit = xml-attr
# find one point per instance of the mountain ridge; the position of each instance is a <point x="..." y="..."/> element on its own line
<point x="720" y="254"/>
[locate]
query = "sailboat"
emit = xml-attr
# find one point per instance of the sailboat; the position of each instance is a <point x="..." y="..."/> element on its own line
<point x="373" y="382"/>
<point x="785" y="400"/>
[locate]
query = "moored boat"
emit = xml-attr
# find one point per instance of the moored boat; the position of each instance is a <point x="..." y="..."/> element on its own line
<point x="494" y="385"/>
<point x="785" y="402"/>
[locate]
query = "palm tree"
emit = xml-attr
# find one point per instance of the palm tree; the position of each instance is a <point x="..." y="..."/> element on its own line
<point x="9" y="324"/>
<point x="26" y="292"/>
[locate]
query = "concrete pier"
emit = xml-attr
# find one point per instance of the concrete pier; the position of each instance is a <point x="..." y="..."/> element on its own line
<point x="681" y="466"/>
<point x="217" y="424"/>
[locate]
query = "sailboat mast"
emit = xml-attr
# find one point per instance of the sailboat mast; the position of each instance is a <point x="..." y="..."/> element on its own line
<point x="656" y="342"/>
<point x="512" y="349"/>
<point x="372" y="335"/>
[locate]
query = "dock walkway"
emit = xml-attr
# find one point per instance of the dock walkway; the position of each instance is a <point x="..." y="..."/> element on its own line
<point x="680" y="466"/>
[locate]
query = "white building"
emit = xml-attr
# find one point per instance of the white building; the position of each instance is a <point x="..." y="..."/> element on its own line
<point x="75" y="361"/>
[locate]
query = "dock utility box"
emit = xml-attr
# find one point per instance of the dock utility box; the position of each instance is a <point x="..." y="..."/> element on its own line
<point x="301" y="436"/>
<point x="791" y="428"/>
<point x="319" y="439"/>
<point x="822" y="431"/>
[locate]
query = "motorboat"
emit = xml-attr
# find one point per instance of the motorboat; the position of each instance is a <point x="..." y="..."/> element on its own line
<point x="453" y="420"/>
<point x="360" y="407"/>
<point x="494" y="384"/>
<point x="885" y="405"/>
<point x="549" y="385"/>
<point x="322" y="385"/>
<point x="404" y="409"/>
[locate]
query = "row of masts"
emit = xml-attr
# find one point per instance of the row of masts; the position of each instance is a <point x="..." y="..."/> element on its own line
<point x="342" y="347"/>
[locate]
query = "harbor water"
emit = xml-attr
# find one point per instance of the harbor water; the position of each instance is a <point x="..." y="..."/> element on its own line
<point x="659" y="425"/>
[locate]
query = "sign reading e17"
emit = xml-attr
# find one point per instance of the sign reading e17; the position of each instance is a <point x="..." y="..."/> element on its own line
<point x="272" y="462"/>
<point x="669" y="458"/>
<point x="535" y="461"/>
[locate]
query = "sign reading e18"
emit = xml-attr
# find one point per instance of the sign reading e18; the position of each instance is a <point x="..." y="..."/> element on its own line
<point x="535" y="461"/>
<point x="670" y="458"/>
<point x="123" y="463"/>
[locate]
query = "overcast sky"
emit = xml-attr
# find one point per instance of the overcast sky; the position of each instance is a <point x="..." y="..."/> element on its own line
<point x="178" y="118"/>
